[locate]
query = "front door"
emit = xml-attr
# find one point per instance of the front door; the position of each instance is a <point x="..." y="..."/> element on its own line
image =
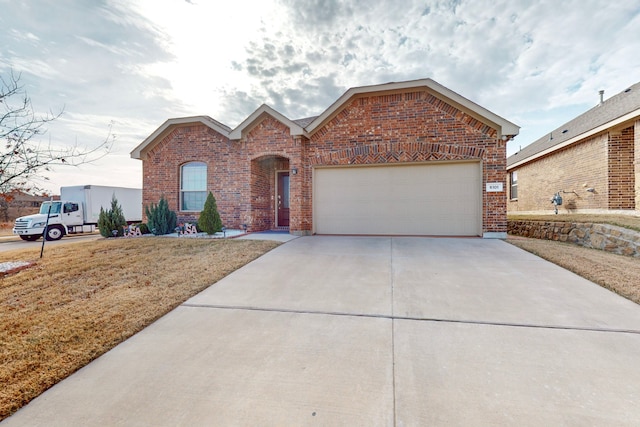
<point x="282" y="211"/>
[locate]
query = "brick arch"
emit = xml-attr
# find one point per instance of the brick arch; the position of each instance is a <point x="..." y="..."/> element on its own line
<point x="266" y="154"/>
<point x="398" y="152"/>
<point x="263" y="167"/>
<point x="194" y="160"/>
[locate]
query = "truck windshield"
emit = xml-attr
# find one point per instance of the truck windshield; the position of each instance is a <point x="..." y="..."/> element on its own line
<point x="55" y="207"/>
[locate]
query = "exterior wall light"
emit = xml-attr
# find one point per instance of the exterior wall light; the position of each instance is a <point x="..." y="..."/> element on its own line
<point x="294" y="171"/>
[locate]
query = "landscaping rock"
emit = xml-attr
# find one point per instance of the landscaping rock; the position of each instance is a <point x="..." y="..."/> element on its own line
<point x="606" y="237"/>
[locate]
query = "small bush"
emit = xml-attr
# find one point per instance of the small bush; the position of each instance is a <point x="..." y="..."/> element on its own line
<point x="160" y="219"/>
<point x="143" y="228"/>
<point x="209" y="220"/>
<point x="112" y="219"/>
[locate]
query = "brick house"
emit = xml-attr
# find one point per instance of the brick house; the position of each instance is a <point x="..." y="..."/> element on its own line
<point x="17" y="203"/>
<point x="593" y="161"/>
<point x="408" y="158"/>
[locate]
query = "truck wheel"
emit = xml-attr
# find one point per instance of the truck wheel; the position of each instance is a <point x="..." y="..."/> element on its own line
<point x="54" y="233"/>
<point x="31" y="237"/>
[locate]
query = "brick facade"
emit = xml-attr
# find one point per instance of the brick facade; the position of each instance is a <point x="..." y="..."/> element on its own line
<point x="403" y="126"/>
<point x="593" y="160"/>
<point x="620" y="170"/>
<point x="196" y="142"/>
<point x="603" y="164"/>
<point x="539" y="181"/>
<point x="414" y="127"/>
<point x="636" y="162"/>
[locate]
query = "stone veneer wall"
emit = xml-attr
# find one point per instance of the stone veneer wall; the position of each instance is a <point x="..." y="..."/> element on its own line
<point x="606" y="237"/>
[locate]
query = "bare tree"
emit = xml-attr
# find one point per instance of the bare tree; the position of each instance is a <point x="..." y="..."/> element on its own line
<point x="22" y="157"/>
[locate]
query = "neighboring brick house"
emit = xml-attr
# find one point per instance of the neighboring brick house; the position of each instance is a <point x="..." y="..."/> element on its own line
<point x="408" y="158"/>
<point x="18" y="203"/>
<point x="593" y="161"/>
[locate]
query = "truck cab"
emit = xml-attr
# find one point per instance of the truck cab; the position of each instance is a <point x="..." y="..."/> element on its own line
<point x="64" y="217"/>
<point x="78" y="211"/>
<point x="72" y="214"/>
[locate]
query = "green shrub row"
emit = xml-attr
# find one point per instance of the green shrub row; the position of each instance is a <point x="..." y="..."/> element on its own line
<point x="160" y="219"/>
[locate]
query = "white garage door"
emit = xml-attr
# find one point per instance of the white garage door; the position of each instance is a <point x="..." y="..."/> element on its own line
<point x="438" y="199"/>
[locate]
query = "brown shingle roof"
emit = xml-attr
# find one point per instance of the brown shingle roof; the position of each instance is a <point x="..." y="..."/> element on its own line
<point x="615" y="107"/>
<point x="304" y="122"/>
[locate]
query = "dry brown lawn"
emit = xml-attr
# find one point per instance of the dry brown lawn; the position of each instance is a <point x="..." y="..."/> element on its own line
<point x="81" y="300"/>
<point x="618" y="273"/>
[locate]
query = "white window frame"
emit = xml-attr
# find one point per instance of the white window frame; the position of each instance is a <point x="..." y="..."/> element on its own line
<point x="193" y="187"/>
<point x="513" y="185"/>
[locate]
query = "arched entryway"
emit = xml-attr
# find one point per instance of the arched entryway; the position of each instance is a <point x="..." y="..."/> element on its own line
<point x="269" y="193"/>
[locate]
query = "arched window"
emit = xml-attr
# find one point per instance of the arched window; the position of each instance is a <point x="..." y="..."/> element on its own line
<point x="193" y="186"/>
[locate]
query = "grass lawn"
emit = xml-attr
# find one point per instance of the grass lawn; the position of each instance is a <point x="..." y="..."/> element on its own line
<point x="618" y="273"/>
<point x="83" y="299"/>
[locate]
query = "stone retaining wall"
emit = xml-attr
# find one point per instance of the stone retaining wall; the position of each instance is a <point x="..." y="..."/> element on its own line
<point x="606" y="237"/>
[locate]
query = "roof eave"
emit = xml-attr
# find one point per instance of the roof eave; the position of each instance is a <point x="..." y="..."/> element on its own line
<point x="256" y="117"/>
<point x="599" y="129"/>
<point x="503" y="126"/>
<point x="137" y="153"/>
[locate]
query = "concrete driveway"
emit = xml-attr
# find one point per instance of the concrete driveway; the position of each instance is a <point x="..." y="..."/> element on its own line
<point x="372" y="331"/>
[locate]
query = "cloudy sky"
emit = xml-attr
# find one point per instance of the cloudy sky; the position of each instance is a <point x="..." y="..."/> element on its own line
<point x="132" y="64"/>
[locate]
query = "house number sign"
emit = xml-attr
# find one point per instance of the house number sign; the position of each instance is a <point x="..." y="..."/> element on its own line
<point x="494" y="187"/>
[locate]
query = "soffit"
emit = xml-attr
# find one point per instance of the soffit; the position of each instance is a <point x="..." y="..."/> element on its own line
<point x="257" y="116"/>
<point x="169" y="125"/>
<point x="614" y="112"/>
<point x="503" y="126"/>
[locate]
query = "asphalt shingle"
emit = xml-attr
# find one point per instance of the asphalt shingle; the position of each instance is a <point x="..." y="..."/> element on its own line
<point x="617" y="106"/>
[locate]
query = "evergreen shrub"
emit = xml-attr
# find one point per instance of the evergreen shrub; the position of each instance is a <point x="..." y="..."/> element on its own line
<point x="209" y="220"/>
<point x="112" y="219"/>
<point x="160" y="219"/>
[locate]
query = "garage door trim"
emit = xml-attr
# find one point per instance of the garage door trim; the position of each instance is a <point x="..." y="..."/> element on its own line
<point x="473" y="212"/>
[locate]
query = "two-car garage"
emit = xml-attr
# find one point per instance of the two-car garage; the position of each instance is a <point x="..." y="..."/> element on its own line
<point x="409" y="158"/>
<point x="424" y="199"/>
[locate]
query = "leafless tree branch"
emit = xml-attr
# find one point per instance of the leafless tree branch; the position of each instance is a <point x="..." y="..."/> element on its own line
<point x="22" y="159"/>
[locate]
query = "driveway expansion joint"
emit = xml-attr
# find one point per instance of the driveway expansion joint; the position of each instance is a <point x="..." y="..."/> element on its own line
<point x="393" y="331"/>
<point x="415" y="319"/>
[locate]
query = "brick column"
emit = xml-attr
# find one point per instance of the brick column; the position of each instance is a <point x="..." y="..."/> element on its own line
<point x="636" y="162"/>
<point x="621" y="169"/>
<point x="299" y="183"/>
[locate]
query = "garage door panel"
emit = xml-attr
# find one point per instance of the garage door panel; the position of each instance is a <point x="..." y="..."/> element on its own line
<point x="426" y="199"/>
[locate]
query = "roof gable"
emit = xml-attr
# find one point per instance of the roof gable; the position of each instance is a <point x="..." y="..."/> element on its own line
<point x="503" y="126"/>
<point x="167" y="126"/>
<point x="258" y="115"/>
<point x="307" y="126"/>
<point x="613" y="112"/>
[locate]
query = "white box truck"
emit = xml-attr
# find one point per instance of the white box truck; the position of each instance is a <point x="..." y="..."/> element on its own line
<point x="78" y="210"/>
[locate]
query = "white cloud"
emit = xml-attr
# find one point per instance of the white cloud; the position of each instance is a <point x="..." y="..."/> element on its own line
<point x="137" y="63"/>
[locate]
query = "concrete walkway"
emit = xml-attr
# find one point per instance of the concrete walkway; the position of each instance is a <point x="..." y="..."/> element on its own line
<point x="359" y="331"/>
